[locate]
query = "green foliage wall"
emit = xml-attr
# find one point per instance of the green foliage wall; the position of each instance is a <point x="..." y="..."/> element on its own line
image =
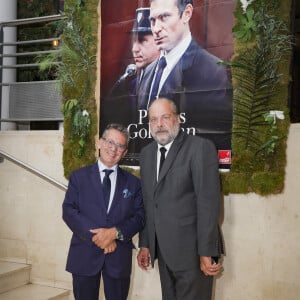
<point x="261" y="75"/>
<point x="77" y="75"/>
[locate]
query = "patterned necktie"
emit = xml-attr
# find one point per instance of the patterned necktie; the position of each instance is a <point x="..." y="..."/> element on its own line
<point x="162" y="157"/>
<point x="161" y="65"/>
<point x="106" y="184"/>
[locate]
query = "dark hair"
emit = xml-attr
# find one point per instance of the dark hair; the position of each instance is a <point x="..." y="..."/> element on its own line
<point x="181" y="4"/>
<point x="119" y="127"/>
<point x="171" y="102"/>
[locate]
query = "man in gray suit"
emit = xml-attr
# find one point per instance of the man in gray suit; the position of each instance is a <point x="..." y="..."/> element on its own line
<point x="182" y="203"/>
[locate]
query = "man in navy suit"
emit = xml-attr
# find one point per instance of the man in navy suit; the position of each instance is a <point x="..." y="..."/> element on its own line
<point x="192" y="77"/>
<point x="101" y="243"/>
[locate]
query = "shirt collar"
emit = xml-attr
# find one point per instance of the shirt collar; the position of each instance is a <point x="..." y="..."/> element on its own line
<point x="173" y="56"/>
<point x="167" y="146"/>
<point x="102" y="166"/>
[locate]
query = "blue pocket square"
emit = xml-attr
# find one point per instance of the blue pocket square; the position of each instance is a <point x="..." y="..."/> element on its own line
<point x="126" y="193"/>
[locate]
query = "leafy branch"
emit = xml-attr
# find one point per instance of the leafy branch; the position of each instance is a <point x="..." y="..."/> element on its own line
<point x="260" y="77"/>
<point x="257" y="74"/>
<point x="246" y="26"/>
<point x="74" y="73"/>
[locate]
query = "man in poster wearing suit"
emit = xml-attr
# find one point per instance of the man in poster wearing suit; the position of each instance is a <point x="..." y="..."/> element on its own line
<point x="191" y="76"/>
<point x="120" y="105"/>
<point x="182" y="201"/>
<point x="144" y="48"/>
<point x="103" y="207"/>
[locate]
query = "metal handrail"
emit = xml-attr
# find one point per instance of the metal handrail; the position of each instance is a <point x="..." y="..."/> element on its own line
<point x="32" y="20"/>
<point x="30" y="42"/>
<point x="29" y="53"/>
<point x="33" y="170"/>
<point x="19" y="66"/>
<point x="30" y="119"/>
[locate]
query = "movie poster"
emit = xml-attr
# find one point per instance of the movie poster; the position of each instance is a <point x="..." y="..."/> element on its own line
<point x="195" y="81"/>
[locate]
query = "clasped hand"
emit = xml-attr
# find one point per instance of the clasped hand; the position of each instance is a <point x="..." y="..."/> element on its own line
<point x="209" y="268"/>
<point x="105" y="238"/>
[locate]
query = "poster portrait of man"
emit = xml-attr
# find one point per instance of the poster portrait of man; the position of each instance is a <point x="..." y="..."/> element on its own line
<point x="187" y="40"/>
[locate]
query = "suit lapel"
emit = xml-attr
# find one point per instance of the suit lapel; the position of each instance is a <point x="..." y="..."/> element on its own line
<point x="153" y="165"/>
<point x="171" y="155"/>
<point x="149" y="168"/>
<point x="96" y="183"/>
<point x="145" y="84"/>
<point x="174" y="81"/>
<point x="120" y="184"/>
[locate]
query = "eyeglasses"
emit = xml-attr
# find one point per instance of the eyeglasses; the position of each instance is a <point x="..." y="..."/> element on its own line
<point x="111" y="144"/>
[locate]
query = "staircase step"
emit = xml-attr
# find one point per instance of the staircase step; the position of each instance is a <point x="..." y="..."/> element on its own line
<point x="13" y="275"/>
<point x="35" y="292"/>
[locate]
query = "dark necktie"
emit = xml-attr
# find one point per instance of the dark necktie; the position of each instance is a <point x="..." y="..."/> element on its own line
<point x="161" y="65"/>
<point x="106" y="186"/>
<point x="162" y="157"/>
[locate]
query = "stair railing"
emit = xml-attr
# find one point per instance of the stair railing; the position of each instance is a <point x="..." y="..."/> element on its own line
<point x="4" y="155"/>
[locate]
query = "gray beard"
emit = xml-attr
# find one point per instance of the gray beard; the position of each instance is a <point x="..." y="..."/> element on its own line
<point x="169" y="138"/>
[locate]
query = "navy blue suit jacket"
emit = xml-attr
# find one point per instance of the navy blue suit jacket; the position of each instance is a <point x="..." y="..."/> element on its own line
<point x="202" y="90"/>
<point x="84" y="209"/>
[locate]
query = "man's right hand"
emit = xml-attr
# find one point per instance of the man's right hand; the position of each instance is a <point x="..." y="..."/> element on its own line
<point x="110" y="248"/>
<point x="143" y="258"/>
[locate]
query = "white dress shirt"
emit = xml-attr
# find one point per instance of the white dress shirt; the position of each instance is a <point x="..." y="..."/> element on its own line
<point x="168" y="146"/>
<point x="173" y="57"/>
<point x="112" y="177"/>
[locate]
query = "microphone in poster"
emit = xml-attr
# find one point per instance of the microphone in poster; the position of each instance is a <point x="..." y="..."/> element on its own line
<point x="130" y="71"/>
<point x="120" y="87"/>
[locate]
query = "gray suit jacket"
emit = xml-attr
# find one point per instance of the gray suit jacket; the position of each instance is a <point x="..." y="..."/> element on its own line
<point x="182" y="206"/>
